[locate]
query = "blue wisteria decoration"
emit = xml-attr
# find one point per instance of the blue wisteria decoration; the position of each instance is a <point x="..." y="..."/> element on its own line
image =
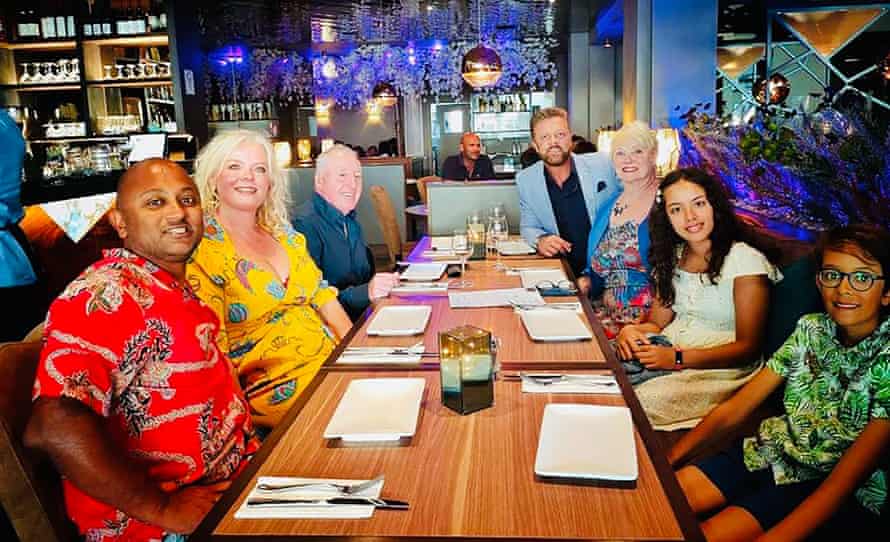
<point x="428" y="69"/>
<point x="820" y="170"/>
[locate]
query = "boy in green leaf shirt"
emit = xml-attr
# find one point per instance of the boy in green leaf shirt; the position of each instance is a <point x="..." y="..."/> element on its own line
<point x="819" y="464"/>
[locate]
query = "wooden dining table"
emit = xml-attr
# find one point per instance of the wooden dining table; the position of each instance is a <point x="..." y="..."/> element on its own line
<point x="465" y="476"/>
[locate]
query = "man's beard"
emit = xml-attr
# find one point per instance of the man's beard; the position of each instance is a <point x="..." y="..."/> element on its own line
<point x="564" y="156"/>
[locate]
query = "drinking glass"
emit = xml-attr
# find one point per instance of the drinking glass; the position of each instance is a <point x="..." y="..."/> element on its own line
<point x="476" y="237"/>
<point x="498" y="232"/>
<point x="460" y="246"/>
<point x="25" y="75"/>
<point x="107" y="69"/>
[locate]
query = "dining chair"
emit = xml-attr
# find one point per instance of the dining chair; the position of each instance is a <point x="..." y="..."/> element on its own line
<point x="386" y="214"/>
<point x="421" y="185"/>
<point x="30" y="488"/>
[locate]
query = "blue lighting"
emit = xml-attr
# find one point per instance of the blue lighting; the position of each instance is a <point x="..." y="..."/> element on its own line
<point x="230" y="54"/>
<point x="610" y="23"/>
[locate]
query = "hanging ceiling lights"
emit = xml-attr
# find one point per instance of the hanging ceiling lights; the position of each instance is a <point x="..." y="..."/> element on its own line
<point x="385" y="94"/>
<point x="481" y="66"/>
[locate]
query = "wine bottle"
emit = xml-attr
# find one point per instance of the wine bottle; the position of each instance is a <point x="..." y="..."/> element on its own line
<point x="106" y="25"/>
<point x="139" y="20"/>
<point x="29" y="25"/>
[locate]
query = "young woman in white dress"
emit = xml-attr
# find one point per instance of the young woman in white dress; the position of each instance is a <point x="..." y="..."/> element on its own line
<point x="712" y="290"/>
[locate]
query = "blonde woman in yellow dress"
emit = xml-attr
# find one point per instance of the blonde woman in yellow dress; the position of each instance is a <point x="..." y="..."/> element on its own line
<point x="279" y="319"/>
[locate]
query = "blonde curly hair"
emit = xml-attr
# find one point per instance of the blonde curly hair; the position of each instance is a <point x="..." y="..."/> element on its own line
<point x="272" y="214"/>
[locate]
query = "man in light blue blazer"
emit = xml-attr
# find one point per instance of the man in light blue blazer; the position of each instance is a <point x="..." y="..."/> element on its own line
<point x="561" y="195"/>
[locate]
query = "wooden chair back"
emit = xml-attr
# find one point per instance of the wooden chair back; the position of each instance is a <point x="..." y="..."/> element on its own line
<point x="30" y="488"/>
<point x="386" y="214"/>
<point x="421" y="185"/>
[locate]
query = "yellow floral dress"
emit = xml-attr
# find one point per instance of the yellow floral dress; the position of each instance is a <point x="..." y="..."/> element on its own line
<point x="271" y="331"/>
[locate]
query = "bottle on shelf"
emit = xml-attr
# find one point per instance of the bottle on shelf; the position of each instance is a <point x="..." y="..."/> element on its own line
<point x="27" y="25"/>
<point x="106" y="22"/>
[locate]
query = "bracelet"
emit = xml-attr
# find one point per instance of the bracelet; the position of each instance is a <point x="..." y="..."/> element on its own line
<point x="678" y="359"/>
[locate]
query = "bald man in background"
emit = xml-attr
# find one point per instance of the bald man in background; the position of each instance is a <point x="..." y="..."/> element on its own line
<point x="133" y="401"/>
<point x="470" y="164"/>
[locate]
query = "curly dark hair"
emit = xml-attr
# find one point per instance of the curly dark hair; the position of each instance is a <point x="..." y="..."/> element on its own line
<point x="728" y="229"/>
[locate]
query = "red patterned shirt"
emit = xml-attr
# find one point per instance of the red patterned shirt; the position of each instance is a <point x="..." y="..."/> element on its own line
<point x="140" y="350"/>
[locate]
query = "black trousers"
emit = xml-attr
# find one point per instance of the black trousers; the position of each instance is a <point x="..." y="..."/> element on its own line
<point x="24" y="306"/>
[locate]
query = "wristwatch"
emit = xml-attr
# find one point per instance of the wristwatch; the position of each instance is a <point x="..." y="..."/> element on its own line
<point x="678" y="359"/>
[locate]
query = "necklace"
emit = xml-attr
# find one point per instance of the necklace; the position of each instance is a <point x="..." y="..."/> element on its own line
<point x="619" y="208"/>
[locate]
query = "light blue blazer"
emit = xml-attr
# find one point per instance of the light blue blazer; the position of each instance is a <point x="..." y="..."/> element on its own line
<point x="599" y="184"/>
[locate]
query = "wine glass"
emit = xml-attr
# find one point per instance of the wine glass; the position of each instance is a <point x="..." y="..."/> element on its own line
<point x="460" y="246"/>
<point x="64" y="69"/>
<point x="107" y="69"/>
<point x="26" y="77"/>
<point x="498" y="232"/>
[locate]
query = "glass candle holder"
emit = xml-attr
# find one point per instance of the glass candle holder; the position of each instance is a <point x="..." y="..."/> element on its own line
<point x="466" y="367"/>
<point x="476" y="236"/>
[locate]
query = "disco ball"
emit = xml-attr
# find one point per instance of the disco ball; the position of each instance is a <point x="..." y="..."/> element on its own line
<point x="778" y="87"/>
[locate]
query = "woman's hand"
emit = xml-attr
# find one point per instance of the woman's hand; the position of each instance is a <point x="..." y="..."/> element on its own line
<point x="656" y="357"/>
<point x="629" y="340"/>
<point x="583" y="285"/>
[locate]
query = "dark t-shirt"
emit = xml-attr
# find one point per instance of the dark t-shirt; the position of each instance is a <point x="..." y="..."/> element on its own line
<point x="453" y="169"/>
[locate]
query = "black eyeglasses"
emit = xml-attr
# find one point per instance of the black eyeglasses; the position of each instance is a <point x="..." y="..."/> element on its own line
<point x="861" y="281"/>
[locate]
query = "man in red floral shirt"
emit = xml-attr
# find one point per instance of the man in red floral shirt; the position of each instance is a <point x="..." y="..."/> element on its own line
<point x="134" y="403"/>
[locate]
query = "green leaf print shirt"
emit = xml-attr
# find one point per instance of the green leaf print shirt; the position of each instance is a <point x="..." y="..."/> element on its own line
<point x="831" y="393"/>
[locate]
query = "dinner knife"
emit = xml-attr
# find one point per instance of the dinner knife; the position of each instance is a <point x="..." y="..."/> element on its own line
<point x="389" y="504"/>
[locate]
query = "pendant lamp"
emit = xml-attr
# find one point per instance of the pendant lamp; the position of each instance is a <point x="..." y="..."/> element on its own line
<point x="385" y="94"/>
<point x="481" y="66"/>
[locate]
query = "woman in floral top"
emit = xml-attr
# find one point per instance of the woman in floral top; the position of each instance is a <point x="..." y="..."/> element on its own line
<point x="618" y="280"/>
<point x="820" y="461"/>
<point x="279" y="320"/>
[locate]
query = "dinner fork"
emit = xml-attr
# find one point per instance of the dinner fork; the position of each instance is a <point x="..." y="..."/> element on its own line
<point x="346" y="489"/>
<point x="584" y="380"/>
<point x="557" y="306"/>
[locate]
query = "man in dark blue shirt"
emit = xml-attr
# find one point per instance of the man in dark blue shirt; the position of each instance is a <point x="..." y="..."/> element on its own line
<point x="470" y="164"/>
<point x="334" y="236"/>
<point x="571" y="215"/>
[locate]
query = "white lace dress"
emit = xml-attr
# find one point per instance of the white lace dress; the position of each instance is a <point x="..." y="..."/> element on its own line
<point x="704" y="317"/>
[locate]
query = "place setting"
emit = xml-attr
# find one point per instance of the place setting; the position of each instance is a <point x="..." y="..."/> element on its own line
<point x="548" y="382"/>
<point x="412" y="354"/>
<point x="287" y="497"/>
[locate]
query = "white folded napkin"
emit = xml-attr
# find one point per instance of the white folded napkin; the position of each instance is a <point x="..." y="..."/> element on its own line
<point x="307" y="511"/>
<point x="412" y="288"/>
<point x="379" y="357"/>
<point x="573" y="385"/>
<point x="382" y="354"/>
<point x="439" y="254"/>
